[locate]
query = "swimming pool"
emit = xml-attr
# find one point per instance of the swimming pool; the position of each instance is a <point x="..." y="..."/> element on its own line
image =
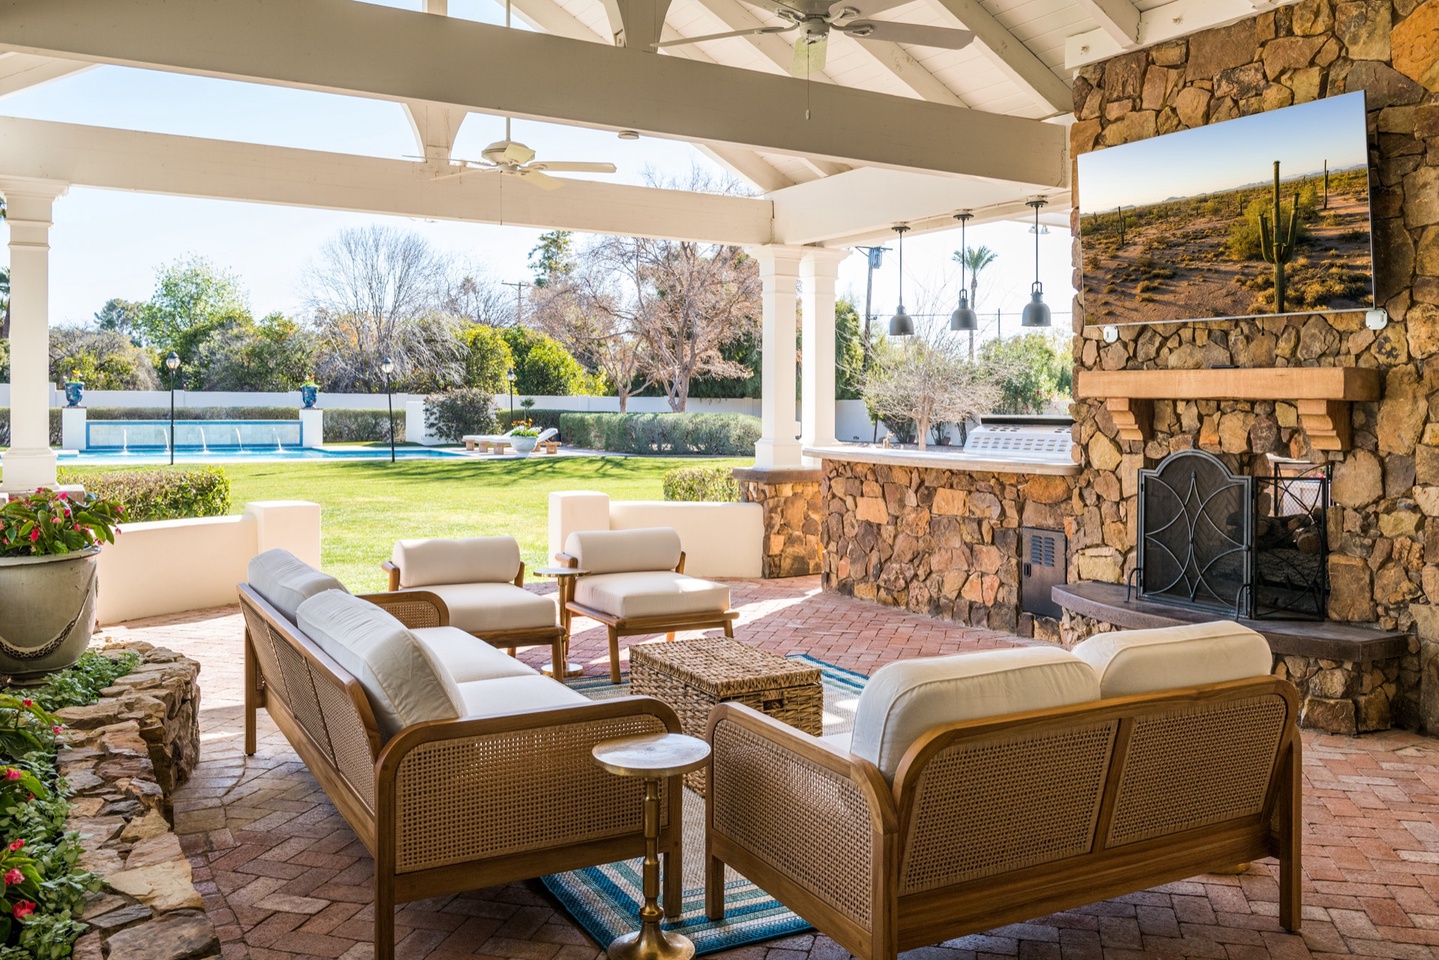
<point x="147" y="456"/>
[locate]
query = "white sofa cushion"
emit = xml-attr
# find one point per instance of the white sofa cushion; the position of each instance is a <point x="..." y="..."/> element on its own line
<point x="286" y="581"/>
<point x="1144" y="661"/>
<point x="471" y="560"/>
<point x="481" y="607"/>
<point x="466" y="658"/>
<point x="652" y="594"/>
<point x="402" y="681"/>
<point x="625" y="551"/>
<point x="905" y="699"/>
<point x="485" y="698"/>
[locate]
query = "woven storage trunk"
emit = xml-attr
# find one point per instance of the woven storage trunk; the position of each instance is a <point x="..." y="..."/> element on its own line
<point x="694" y="675"/>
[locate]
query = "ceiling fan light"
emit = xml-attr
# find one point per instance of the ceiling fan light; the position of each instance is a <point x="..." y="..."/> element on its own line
<point x="1036" y="311"/>
<point x="964" y="317"/>
<point x="901" y="324"/>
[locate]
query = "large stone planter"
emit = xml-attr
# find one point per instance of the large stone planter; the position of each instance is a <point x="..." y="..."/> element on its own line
<point x="48" y="611"/>
<point x="524" y="446"/>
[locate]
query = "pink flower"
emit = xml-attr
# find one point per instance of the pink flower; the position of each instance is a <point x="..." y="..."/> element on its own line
<point x="13" y="774"/>
<point x="14" y="878"/>
<point x="59" y="729"/>
<point x="77" y="526"/>
<point x="23" y="909"/>
<point x="28" y="702"/>
<point x="62" y="495"/>
<point x="16" y="845"/>
<point x="34" y="534"/>
<point x="119" y="510"/>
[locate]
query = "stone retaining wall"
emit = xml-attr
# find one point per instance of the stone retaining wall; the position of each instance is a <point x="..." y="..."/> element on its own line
<point x="939" y="542"/>
<point x="792" y="512"/>
<point x="127" y="754"/>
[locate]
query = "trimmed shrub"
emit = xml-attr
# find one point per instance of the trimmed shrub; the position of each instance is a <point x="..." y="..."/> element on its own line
<point x="712" y="434"/>
<point x="452" y="415"/>
<point x="542" y="419"/>
<point x="161" y="493"/>
<point x="704" y="484"/>
<point x="361" y="426"/>
<point x="194" y="413"/>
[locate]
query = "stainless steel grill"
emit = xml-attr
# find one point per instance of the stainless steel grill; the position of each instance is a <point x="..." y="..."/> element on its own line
<point x="1047" y="441"/>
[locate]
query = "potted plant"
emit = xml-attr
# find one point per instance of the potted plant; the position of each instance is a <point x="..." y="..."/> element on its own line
<point x="49" y="552"/>
<point x="309" y="393"/>
<point x="524" y="437"/>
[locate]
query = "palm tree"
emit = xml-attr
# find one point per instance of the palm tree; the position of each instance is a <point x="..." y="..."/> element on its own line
<point x="974" y="260"/>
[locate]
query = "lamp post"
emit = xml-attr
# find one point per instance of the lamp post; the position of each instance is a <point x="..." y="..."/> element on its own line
<point x="387" y="367"/>
<point x="172" y="363"/>
<point x="511" y="378"/>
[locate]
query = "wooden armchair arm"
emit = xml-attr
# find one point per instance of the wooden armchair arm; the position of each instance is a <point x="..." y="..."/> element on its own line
<point x="413" y="608"/>
<point x="389" y="567"/>
<point x="565" y="560"/>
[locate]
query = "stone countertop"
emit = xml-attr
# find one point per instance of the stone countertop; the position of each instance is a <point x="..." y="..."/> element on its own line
<point x="946" y="460"/>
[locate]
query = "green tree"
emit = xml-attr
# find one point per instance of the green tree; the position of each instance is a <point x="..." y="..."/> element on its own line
<point x="122" y="316"/>
<point x="101" y="359"/>
<point x="543" y="367"/>
<point x="551" y="259"/>
<point x="487" y="358"/>
<point x="274" y="353"/>
<point x="848" y="351"/>
<point x="193" y="299"/>
<point x="1031" y="370"/>
<point x="4" y="361"/>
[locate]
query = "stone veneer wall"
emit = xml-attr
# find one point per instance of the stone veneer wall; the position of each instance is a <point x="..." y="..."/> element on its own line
<point x="792" y="512"/>
<point x="1385" y="523"/>
<point x="939" y="542"/>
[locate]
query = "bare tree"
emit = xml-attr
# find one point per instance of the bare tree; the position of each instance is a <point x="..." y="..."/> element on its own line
<point x="477" y="298"/>
<point x="380" y="292"/>
<point x="928" y="380"/>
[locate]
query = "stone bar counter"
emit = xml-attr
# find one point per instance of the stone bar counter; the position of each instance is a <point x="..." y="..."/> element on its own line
<point x="938" y="532"/>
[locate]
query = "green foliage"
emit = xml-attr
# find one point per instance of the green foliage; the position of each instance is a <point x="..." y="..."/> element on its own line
<point x="1031" y="371"/>
<point x="744" y="352"/>
<point x="544" y="419"/>
<point x="193" y="299"/>
<point x="542" y="366"/>
<point x="47" y="523"/>
<point x="362" y="426"/>
<point x="5" y="423"/>
<point x="1246" y="236"/>
<point x="100" y="359"/>
<point x="456" y="413"/>
<point x="487" y="358"/>
<point x="704" y="484"/>
<point x="848" y="351"/>
<point x="4" y="360"/>
<point x="714" y="434"/>
<point x="273" y="353"/>
<point x="552" y="258"/>
<point x="196" y="413"/>
<point x="161" y="493"/>
<point x="80" y="684"/>
<point x="122" y="317"/>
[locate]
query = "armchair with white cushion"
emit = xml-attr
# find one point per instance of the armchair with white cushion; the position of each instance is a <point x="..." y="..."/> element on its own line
<point x="633" y="581"/>
<point x="480" y="580"/>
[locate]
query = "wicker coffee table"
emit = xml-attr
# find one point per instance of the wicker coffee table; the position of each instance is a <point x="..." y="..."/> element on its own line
<point x="694" y="675"/>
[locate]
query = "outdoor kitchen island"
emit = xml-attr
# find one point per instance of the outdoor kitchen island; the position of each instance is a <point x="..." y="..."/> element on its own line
<point x="976" y="536"/>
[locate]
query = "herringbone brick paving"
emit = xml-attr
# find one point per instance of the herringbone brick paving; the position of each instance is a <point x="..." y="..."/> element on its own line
<point x="283" y="876"/>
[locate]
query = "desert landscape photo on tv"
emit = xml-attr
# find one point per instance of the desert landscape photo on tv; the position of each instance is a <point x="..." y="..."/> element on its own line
<point x="1186" y="226"/>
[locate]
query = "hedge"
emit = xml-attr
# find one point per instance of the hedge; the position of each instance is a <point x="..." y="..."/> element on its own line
<point x="712" y="434"/>
<point x="453" y="415"/>
<point x="160" y="493"/>
<point x="707" y="484"/>
<point x="194" y="413"/>
<point x="361" y="426"/>
<point x="5" y="427"/>
<point x="542" y="419"/>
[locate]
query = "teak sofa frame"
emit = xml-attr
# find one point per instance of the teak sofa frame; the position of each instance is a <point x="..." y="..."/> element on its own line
<point x="454" y="805"/>
<point x="1174" y="785"/>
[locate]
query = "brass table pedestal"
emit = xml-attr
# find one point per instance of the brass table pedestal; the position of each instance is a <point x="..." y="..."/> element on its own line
<point x="653" y="757"/>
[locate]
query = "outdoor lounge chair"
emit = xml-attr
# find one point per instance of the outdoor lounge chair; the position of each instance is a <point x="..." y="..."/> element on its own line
<point x="634" y="583"/>
<point x="474" y="439"/>
<point x="480" y="580"/>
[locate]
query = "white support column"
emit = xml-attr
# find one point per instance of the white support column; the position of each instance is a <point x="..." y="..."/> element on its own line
<point x="817" y="272"/>
<point x="29" y="463"/>
<point x="779" y="273"/>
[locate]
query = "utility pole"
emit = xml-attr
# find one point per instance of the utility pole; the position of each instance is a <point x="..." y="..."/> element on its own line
<point x="876" y="260"/>
<point x="519" y="286"/>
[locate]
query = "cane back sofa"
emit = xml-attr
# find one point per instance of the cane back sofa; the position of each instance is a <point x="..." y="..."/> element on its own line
<point x="463" y="768"/>
<point x="919" y="830"/>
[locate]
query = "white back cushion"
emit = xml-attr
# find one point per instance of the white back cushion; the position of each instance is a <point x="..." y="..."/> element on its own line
<point x="905" y="699"/>
<point x="625" y="551"/>
<point x="1144" y="661"/>
<point x="402" y="681"/>
<point x="286" y="581"/>
<point x="472" y="560"/>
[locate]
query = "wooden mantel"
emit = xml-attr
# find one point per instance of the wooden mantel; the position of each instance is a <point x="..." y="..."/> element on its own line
<point x="1321" y="394"/>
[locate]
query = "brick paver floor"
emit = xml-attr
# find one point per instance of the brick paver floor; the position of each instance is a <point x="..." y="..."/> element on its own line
<point x="282" y="875"/>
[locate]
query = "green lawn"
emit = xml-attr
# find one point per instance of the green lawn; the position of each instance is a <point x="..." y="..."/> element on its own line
<point x="367" y="506"/>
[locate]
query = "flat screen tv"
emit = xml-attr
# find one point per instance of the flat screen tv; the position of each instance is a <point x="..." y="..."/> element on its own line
<point x="1186" y="226"/>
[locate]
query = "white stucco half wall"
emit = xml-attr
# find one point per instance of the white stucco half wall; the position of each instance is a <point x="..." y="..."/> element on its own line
<point x="169" y="566"/>
<point x="719" y="539"/>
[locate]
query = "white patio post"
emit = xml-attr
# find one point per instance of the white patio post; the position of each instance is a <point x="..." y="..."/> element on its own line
<point x="817" y="272"/>
<point x="779" y="273"/>
<point x="29" y="463"/>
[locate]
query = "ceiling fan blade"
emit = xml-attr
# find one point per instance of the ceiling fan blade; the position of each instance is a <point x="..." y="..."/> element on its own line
<point x="536" y="179"/>
<point x="724" y="36"/>
<point x="912" y="33"/>
<point x="809" y="58"/>
<point x="569" y="166"/>
<point x="518" y="153"/>
<point x="799" y="8"/>
<point x="864" y="8"/>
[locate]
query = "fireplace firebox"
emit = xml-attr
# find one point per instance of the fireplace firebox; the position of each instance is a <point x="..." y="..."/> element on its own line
<point x="1246" y="546"/>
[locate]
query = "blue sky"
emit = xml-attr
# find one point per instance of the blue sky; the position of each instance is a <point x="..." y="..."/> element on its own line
<point x="110" y="243"/>
<point x="1226" y="155"/>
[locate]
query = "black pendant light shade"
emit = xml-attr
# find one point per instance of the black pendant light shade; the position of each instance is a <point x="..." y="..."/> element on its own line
<point x="1036" y="311"/>
<point x="963" y="317"/>
<point x="901" y="324"/>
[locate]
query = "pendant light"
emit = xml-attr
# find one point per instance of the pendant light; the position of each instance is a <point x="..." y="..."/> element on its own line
<point x="1036" y="311"/>
<point x="901" y="324"/>
<point x="963" y="317"/>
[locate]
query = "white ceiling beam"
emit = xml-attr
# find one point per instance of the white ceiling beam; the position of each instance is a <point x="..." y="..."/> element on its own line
<point x="1011" y="56"/>
<point x="736" y="16"/>
<point x="1178" y="18"/>
<point x="549" y="17"/>
<point x="376" y="51"/>
<point x="435" y="126"/>
<point x="1118" y="18"/>
<point x="226" y="170"/>
<point x="861" y="205"/>
<point x="748" y="165"/>
<point x="636" y="23"/>
<point x="898" y="63"/>
<point x="21" y="71"/>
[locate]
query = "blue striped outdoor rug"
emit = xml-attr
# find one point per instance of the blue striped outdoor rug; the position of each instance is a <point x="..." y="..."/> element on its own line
<point x="606" y="900"/>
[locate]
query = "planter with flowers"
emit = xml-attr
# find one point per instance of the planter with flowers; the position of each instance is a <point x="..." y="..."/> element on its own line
<point x="524" y="437"/>
<point x="49" y="552"/>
